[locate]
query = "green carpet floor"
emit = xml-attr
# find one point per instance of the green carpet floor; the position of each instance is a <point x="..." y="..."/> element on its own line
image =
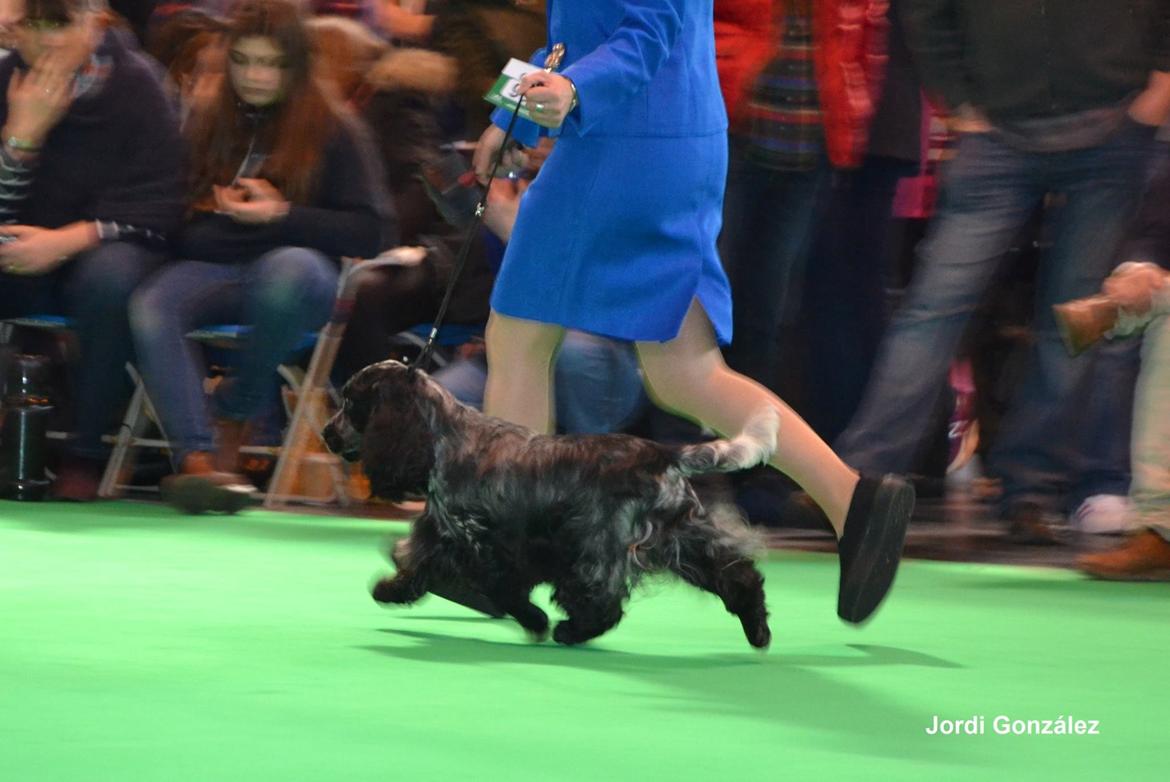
<point x="137" y="644"/>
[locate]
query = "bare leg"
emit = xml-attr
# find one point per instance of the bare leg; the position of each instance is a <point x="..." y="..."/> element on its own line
<point x="687" y="375"/>
<point x="520" y="365"/>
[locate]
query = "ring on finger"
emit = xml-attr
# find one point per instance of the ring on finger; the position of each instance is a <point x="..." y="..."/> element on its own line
<point x="540" y="107"/>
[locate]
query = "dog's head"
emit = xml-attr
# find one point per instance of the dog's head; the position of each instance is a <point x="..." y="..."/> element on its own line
<point x="385" y="421"/>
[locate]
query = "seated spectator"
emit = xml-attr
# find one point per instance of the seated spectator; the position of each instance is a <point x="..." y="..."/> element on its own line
<point x="90" y="187"/>
<point x="284" y="183"/>
<point x="399" y="92"/>
<point x="189" y="46"/>
<point x="479" y="35"/>
<point x="597" y="383"/>
<point x="1141" y="287"/>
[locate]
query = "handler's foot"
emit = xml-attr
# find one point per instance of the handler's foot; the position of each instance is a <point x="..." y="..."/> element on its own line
<point x="870" y="547"/>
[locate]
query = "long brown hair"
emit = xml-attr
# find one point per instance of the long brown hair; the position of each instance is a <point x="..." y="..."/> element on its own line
<point x="293" y="132"/>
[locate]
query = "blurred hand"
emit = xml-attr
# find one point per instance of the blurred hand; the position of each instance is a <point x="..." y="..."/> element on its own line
<point x="400" y="23"/>
<point x="34" y="251"/>
<point x="486" y="150"/>
<point x="1133" y="286"/>
<point x="1152" y="104"/>
<point x="549" y="98"/>
<point x="503" y="205"/>
<point x="39" y="98"/>
<point x="251" y="201"/>
<point x="968" y="119"/>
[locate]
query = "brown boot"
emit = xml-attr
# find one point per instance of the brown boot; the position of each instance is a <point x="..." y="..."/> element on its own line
<point x="200" y="488"/>
<point x="229" y="436"/>
<point x="1143" y="557"/>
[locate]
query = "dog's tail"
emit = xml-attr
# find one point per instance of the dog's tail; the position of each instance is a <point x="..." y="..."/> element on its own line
<point x="750" y="447"/>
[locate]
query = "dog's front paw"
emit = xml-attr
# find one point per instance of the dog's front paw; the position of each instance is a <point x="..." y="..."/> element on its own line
<point x="392" y="590"/>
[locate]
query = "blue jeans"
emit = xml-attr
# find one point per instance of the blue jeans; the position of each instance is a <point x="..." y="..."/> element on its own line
<point x="597" y="385"/>
<point x="281" y="295"/>
<point x="94" y="289"/>
<point x="989" y="189"/>
<point x="769" y="218"/>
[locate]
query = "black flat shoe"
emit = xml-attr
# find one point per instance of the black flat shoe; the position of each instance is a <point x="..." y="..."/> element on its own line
<point x="206" y="493"/>
<point x="871" y="546"/>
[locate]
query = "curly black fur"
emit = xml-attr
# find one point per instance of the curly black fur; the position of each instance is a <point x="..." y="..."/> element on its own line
<point x="508" y="509"/>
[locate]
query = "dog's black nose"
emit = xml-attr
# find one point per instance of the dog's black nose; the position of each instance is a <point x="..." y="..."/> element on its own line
<point x="338" y="444"/>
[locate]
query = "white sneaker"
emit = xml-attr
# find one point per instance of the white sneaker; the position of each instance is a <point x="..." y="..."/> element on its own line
<point x="1104" y="514"/>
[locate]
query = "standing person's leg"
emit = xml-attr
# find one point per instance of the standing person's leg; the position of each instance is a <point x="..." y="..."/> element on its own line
<point x="1035" y="453"/>
<point x="1150" y="488"/>
<point x="844" y="306"/>
<point x="520" y="366"/>
<point x="1145" y="555"/>
<point x="989" y="190"/>
<point x="98" y="287"/>
<point x="869" y="516"/>
<point x="769" y="217"/>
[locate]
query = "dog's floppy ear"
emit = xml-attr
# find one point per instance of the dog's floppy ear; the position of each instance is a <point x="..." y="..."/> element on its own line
<point x="398" y="450"/>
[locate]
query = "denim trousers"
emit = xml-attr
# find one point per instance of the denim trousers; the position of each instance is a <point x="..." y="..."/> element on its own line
<point x="988" y="191"/>
<point x="281" y="295"/>
<point x="93" y="289"/>
<point x="596" y="384"/>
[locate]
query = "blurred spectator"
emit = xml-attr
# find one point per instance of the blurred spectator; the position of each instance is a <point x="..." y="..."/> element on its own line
<point x="480" y="35"/>
<point x="137" y="14"/>
<point x="189" y="45"/>
<point x="1141" y="287"/>
<point x="1047" y="98"/>
<point x="90" y="187"/>
<point x="285" y="182"/>
<point x="399" y="95"/>
<point x="844" y="307"/>
<point x="806" y="112"/>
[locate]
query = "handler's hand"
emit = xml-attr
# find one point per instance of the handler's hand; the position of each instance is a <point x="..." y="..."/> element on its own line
<point x="549" y="98"/>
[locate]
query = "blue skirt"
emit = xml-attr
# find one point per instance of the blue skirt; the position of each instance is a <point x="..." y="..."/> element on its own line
<point x="616" y="236"/>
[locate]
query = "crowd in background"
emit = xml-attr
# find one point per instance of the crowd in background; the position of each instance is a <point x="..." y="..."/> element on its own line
<point x="912" y="185"/>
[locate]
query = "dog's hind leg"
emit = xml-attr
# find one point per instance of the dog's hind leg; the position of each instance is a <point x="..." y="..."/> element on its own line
<point x="592" y="609"/>
<point x="511" y="594"/>
<point x="715" y="566"/>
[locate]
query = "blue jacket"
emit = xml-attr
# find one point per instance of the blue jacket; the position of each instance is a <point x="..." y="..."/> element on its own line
<point x="642" y="68"/>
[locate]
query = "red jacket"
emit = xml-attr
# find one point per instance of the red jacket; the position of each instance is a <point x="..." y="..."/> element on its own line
<point x="850" y="58"/>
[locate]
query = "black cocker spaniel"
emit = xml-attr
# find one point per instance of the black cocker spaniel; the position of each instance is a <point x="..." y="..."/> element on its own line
<point x="507" y="509"/>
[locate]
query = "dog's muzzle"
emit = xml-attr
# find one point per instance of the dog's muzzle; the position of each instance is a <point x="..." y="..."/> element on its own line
<point x="341" y="438"/>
